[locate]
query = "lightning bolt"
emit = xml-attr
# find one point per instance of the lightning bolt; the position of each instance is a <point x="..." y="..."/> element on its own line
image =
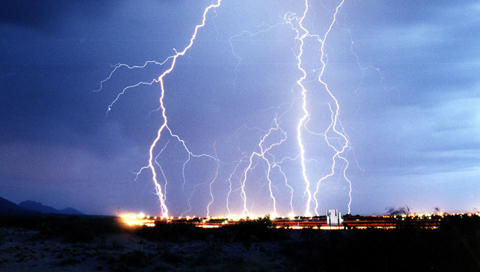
<point x="161" y="193"/>
<point x="230" y="188"/>
<point x="302" y="34"/>
<point x="262" y="153"/>
<point x="161" y="171"/>
<point x="335" y="118"/>
<point x="303" y="119"/>
<point x="267" y="149"/>
<point x="210" y="185"/>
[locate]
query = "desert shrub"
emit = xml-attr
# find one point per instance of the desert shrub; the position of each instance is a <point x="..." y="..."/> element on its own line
<point x="232" y="265"/>
<point x="69" y="262"/>
<point x="172" y="257"/>
<point x="261" y="229"/>
<point x="403" y="249"/>
<point x="82" y="229"/>
<point x="137" y="259"/>
<point x="73" y="228"/>
<point x="459" y="241"/>
<point x="26" y="222"/>
<point x="207" y="256"/>
<point x="172" y="232"/>
<point x="461" y="224"/>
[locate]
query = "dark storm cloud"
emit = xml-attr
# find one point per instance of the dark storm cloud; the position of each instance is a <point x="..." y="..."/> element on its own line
<point x="426" y="55"/>
<point x="47" y="15"/>
<point x="49" y="54"/>
<point x="38" y="77"/>
<point x="54" y="128"/>
<point x="414" y="116"/>
<point x="28" y="13"/>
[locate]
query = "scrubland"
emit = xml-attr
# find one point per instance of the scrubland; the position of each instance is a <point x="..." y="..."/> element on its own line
<point x="77" y="243"/>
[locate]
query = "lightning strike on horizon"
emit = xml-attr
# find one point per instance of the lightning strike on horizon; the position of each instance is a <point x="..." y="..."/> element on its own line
<point x="303" y="121"/>
<point x="265" y="149"/>
<point x="333" y="124"/>
<point x="162" y="106"/>
<point x="161" y="192"/>
<point x="211" y="184"/>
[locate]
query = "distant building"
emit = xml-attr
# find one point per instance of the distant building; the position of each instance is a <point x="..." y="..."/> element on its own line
<point x="334" y="217"/>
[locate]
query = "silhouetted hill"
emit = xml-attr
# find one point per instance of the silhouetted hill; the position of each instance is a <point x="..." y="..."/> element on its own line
<point x="39" y="207"/>
<point x="10" y="208"/>
<point x="71" y="211"/>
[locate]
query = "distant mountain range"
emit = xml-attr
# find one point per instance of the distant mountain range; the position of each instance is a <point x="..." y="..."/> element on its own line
<point x="29" y="208"/>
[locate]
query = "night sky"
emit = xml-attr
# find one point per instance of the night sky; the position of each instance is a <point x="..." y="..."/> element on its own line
<point x="405" y="75"/>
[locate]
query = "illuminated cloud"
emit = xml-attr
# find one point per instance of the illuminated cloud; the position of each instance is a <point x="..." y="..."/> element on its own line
<point x="405" y="75"/>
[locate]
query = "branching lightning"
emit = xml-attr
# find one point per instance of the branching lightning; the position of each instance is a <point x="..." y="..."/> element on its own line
<point x="302" y="34"/>
<point x="268" y="155"/>
<point x="262" y="153"/>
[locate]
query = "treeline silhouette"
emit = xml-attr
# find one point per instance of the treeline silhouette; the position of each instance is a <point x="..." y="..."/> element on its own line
<point x="454" y="246"/>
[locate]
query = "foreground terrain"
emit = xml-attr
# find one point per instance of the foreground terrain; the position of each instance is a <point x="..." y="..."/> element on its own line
<point x="77" y="243"/>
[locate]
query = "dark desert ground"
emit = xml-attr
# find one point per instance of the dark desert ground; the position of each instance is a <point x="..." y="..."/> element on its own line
<point x="86" y="243"/>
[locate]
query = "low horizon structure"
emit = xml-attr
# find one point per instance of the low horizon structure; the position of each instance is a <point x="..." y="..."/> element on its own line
<point x="334" y="217"/>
